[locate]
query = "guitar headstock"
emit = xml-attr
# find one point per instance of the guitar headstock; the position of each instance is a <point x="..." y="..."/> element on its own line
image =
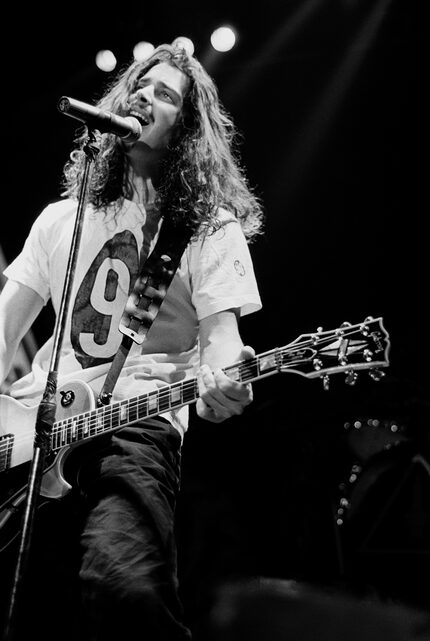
<point x="348" y="348"/>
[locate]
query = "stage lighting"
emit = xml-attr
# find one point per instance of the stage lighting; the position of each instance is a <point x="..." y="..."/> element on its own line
<point x="105" y="60"/>
<point x="185" y="43"/>
<point x="223" y="39"/>
<point x="142" y="50"/>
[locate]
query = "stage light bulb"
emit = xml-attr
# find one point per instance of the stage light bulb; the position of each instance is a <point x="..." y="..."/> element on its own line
<point x="184" y="43"/>
<point x="142" y="50"/>
<point x="223" y="39"/>
<point x="105" y="60"/>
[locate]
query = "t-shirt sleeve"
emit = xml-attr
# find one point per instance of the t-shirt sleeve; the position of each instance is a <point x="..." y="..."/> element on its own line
<point x="222" y="273"/>
<point x="30" y="267"/>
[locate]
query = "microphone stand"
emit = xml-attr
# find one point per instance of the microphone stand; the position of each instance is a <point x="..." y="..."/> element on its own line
<point x="47" y="408"/>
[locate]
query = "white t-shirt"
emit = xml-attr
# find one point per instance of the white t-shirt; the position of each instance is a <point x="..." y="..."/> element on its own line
<point x="215" y="274"/>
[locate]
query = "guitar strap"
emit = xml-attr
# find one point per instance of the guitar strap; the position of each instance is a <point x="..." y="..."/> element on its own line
<point x="145" y="300"/>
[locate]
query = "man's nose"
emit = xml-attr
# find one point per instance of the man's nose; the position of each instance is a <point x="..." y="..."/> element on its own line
<point x="145" y="95"/>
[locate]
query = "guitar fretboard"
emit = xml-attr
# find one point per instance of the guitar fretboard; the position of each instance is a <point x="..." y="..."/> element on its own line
<point x="121" y="413"/>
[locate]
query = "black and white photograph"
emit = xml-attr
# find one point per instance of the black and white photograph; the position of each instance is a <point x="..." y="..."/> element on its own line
<point x="214" y="370"/>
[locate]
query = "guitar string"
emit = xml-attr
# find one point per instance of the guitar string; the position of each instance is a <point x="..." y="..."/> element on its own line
<point x="91" y="417"/>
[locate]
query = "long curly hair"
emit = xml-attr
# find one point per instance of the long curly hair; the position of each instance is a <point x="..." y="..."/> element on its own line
<point x="201" y="171"/>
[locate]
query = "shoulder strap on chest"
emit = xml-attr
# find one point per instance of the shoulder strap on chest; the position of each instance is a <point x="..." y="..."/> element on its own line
<point x="145" y="300"/>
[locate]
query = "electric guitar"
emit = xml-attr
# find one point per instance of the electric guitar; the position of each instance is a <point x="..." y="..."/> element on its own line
<point x="348" y="348"/>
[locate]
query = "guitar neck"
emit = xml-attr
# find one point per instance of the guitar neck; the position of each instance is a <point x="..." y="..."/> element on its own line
<point x="118" y="414"/>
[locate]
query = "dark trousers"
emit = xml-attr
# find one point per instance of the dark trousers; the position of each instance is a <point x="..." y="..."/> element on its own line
<point x="128" y="572"/>
<point x="103" y="559"/>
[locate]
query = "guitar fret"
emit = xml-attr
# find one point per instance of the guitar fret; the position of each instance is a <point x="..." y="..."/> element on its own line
<point x="190" y="392"/>
<point x="6" y="444"/>
<point x="123" y="412"/>
<point x="234" y="373"/>
<point x="132" y="412"/>
<point x="54" y="437"/>
<point x="100" y="422"/>
<point x="152" y="402"/>
<point x="107" y="417"/>
<point x="86" y="427"/>
<point x="93" y="423"/>
<point x="249" y="370"/>
<point x="176" y="394"/>
<point x="164" y="401"/>
<point x="115" y="416"/>
<point x="64" y="432"/>
<point x="142" y="408"/>
<point x="74" y="430"/>
<point x="243" y="372"/>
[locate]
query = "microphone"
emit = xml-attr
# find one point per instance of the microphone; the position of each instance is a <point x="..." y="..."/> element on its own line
<point x="128" y="128"/>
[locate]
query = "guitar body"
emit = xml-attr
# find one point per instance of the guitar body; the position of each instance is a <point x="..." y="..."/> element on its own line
<point x="18" y="421"/>
<point x="73" y="398"/>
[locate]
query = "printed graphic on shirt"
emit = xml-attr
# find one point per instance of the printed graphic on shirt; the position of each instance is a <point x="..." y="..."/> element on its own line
<point x="101" y="298"/>
<point x="240" y="269"/>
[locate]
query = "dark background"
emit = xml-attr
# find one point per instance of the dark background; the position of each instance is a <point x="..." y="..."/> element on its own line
<point x="327" y="96"/>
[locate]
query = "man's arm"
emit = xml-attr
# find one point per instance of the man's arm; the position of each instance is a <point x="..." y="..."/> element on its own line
<point x="19" y="307"/>
<point x="220" y="346"/>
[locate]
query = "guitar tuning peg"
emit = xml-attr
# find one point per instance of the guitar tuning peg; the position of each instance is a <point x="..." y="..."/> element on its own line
<point x="326" y="382"/>
<point x="316" y="336"/>
<point x="376" y="374"/>
<point x="317" y="363"/>
<point x="351" y="378"/>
